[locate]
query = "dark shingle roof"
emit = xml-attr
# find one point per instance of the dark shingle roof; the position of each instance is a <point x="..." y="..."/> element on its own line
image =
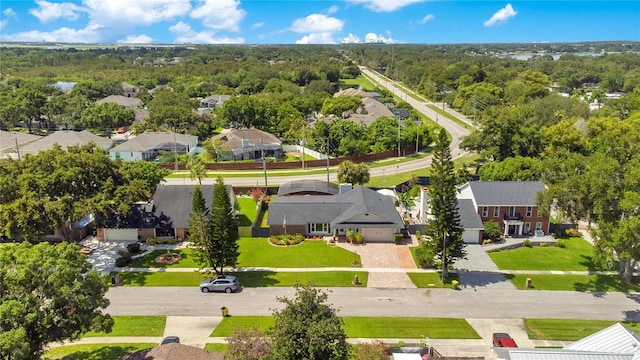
<point x="506" y="193"/>
<point x="401" y="113"/>
<point x="469" y="218"/>
<point x="174" y="351"/>
<point x="308" y="186"/>
<point x="336" y="209"/>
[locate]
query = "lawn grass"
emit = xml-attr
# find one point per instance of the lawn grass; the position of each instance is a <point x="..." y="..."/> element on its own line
<point x="576" y="256"/>
<point x="134" y="326"/>
<point x="217" y="347"/>
<point x="431" y="280"/>
<point x="368" y="327"/>
<point x="259" y="252"/>
<point x="566" y="282"/>
<point x="297" y="156"/>
<point x="149" y="261"/>
<point x="247" y="279"/>
<point x="362" y="81"/>
<point x="568" y="329"/>
<point x="248" y="209"/>
<point x="95" y="351"/>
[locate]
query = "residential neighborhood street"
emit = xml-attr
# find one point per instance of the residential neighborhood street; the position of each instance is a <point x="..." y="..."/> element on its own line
<point x="466" y="303"/>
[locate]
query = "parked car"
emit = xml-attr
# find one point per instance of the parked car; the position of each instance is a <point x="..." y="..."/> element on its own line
<point x="226" y="283"/>
<point x="503" y="340"/>
<point x="170" y="339"/>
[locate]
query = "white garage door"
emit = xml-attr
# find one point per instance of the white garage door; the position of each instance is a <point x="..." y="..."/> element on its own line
<point x="121" y="234"/>
<point x="470" y="236"/>
<point x="378" y="235"/>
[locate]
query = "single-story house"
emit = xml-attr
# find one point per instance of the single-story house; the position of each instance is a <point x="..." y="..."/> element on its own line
<point x="65" y="138"/>
<point x="149" y="145"/>
<point x="511" y="204"/>
<point x="129" y="90"/>
<point x="167" y="214"/>
<point x="247" y="144"/>
<point x="12" y="142"/>
<point x="214" y="101"/>
<point x="129" y="103"/>
<point x="360" y="209"/>
<point x="308" y="187"/>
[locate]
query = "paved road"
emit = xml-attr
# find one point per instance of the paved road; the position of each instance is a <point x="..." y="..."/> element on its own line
<point x="453" y="128"/>
<point x="466" y="303"/>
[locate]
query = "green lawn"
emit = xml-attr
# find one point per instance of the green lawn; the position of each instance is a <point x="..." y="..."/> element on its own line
<point x="259" y="252"/>
<point x="577" y="256"/>
<point x="95" y="351"/>
<point x="247" y="279"/>
<point x="134" y="326"/>
<point x="361" y="81"/>
<point x="217" y="347"/>
<point x="568" y="329"/>
<point x="247" y="210"/>
<point x="369" y="327"/>
<point x="431" y="280"/>
<point x="600" y="283"/>
<point x="149" y="261"/>
<point x="297" y="156"/>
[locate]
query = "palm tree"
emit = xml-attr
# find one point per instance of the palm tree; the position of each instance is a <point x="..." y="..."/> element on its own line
<point x="197" y="167"/>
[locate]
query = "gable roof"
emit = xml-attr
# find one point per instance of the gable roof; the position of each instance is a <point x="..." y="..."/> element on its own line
<point x="156" y="140"/>
<point x="66" y="138"/>
<point x="352" y="92"/>
<point x="506" y="193"/>
<point x="401" y="113"/>
<point x="556" y="354"/>
<point x="170" y="208"/>
<point x="8" y="140"/>
<point x="308" y="186"/>
<point x="174" y="351"/>
<point x="469" y="218"/>
<point x="615" y="339"/>
<point x="336" y="209"/>
<point x="234" y="139"/>
<point x="121" y="100"/>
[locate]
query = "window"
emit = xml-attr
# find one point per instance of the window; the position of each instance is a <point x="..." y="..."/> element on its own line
<point x="529" y="211"/>
<point x="527" y="227"/>
<point x="485" y="211"/>
<point x="512" y="211"/>
<point x="170" y="232"/>
<point x="496" y="211"/>
<point x="538" y="226"/>
<point x="318" y="228"/>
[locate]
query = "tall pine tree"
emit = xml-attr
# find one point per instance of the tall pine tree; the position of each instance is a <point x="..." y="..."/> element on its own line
<point x="200" y="226"/>
<point x="444" y="228"/>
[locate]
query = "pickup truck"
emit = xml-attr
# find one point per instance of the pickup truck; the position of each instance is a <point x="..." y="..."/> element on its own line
<point x="503" y="340"/>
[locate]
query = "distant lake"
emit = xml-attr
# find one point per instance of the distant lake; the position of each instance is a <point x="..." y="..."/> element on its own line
<point x="64" y="85"/>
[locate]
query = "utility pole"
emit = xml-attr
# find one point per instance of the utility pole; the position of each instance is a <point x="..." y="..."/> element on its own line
<point x="175" y="151"/>
<point x="264" y="165"/>
<point x="17" y="149"/>
<point x="327" y="159"/>
<point x="399" y="123"/>
<point x="444" y="254"/>
<point x="303" y="146"/>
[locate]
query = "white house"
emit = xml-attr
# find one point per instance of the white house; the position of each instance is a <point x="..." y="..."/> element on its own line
<point x="148" y="146"/>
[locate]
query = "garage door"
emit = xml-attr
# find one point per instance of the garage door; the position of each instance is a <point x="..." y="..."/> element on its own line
<point x="378" y="235"/>
<point x="470" y="236"/>
<point x="121" y="234"/>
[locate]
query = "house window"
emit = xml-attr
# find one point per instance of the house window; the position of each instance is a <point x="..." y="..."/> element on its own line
<point x="319" y="228"/>
<point x="485" y="211"/>
<point x="512" y="211"/>
<point x="117" y="155"/>
<point x="527" y="227"/>
<point x="529" y="211"/>
<point x="538" y="226"/>
<point x="165" y="232"/>
<point x="496" y="211"/>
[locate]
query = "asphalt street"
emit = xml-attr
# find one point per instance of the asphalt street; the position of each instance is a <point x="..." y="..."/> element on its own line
<point x="465" y="303"/>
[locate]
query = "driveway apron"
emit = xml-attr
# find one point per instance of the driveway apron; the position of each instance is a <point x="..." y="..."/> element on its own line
<point x="479" y="271"/>
<point x="377" y="258"/>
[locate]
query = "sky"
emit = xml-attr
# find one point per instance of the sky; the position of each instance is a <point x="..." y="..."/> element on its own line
<point x="317" y="21"/>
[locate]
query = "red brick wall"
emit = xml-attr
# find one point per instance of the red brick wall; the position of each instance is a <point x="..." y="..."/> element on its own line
<point x="522" y="211"/>
<point x="144" y="234"/>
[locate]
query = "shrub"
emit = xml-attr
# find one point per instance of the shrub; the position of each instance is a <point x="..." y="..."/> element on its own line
<point x="133" y="248"/>
<point x="573" y="233"/>
<point x="527" y="243"/>
<point x="486" y="241"/>
<point x="560" y="244"/>
<point x="123" y="261"/>
<point x="351" y="235"/>
<point x="359" y="238"/>
<point x="418" y="235"/>
<point x="425" y="255"/>
<point x="397" y="238"/>
<point x="286" y="240"/>
<point x="543" y="244"/>
<point x="159" y="241"/>
<point x="376" y="350"/>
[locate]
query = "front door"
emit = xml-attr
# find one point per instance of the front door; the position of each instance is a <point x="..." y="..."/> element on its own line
<point x="512" y="229"/>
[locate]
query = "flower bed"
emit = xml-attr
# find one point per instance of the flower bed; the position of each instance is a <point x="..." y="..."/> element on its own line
<point x="286" y="240"/>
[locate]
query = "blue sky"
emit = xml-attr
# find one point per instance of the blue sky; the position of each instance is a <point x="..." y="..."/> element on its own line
<point x="316" y="21"/>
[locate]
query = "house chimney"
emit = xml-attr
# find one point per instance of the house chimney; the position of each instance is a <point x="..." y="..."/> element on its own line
<point x="148" y="207"/>
<point x="344" y="187"/>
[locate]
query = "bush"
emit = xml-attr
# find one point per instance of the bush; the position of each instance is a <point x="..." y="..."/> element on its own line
<point x="133" y="248"/>
<point x="573" y="233"/>
<point x="527" y="243"/>
<point x="543" y="244"/>
<point x="286" y="240"/>
<point x="560" y="244"/>
<point x="359" y="238"/>
<point x="397" y="238"/>
<point x="425" y="255"/>
<point x="123" y="261"/>
<point x="160" y="241"/>
<point x="486" y="241"/>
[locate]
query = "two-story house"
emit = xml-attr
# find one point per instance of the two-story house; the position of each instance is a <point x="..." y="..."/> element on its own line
<point x="511" y="204"/>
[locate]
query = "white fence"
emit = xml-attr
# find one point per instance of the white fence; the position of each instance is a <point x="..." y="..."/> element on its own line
<point x="310" y="152"/>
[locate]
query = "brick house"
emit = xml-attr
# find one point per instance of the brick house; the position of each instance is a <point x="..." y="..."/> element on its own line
<point x="511" y="204"/>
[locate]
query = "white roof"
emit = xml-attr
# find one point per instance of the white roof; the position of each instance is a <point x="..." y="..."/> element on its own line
<point x="614" y="339"/>
<point x="387" y="192"/>
<point x="398" y="356"/>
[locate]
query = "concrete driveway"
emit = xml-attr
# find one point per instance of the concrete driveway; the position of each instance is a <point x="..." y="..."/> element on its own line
<point x="479" y="271"/>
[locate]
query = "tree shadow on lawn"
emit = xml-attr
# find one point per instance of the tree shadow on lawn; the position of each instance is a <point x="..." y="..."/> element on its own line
<point x="257" y="278"/>
<point x="481" y="278"/>
<point x="591" y="264"/>
<point x="243" y="220"/>
<point x="605" y="283"/>
<point x="107" y="352"/>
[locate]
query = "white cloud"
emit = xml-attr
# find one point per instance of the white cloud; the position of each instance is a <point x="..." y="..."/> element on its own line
<point x="501" y="16"/>
<point x="137" y="39"/>
<point x="87" y="35"/>
<point x="427" y="18"/>
<point x="385" y="5"/>
<point x="186" y="35"/>
<point x="351" y="39"/>
<point x="317" y="38"/>
<point x="3" y="23"/>
<point x="8" y="12"/>
<point x="257" y="25"/>
<point x="317" y="23"/>
<point x="48" y="11"/>
<point x="131" y="13"/>
<point x="220" y="14"/>
<point x="374" y="38"/>
<point x="333" y="9"/>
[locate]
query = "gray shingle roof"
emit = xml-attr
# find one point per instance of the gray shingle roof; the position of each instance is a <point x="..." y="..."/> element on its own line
<point x="174" y="351"/>
<point x="336" y="209"/>
<point x="306" y="186"/>
<point x="156" y="140"/>
<point x="8" y="140"/>
<point x="121" y="100"/>
<point x="506" y="193"/>
<point x="469" y="218"/>
<point x="65" y="139"/>
<point x="234" y="139"/>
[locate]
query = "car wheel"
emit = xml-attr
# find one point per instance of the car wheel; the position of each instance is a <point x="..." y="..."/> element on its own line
<point x="204" y="289"/>
<point x="228" y="290"/>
